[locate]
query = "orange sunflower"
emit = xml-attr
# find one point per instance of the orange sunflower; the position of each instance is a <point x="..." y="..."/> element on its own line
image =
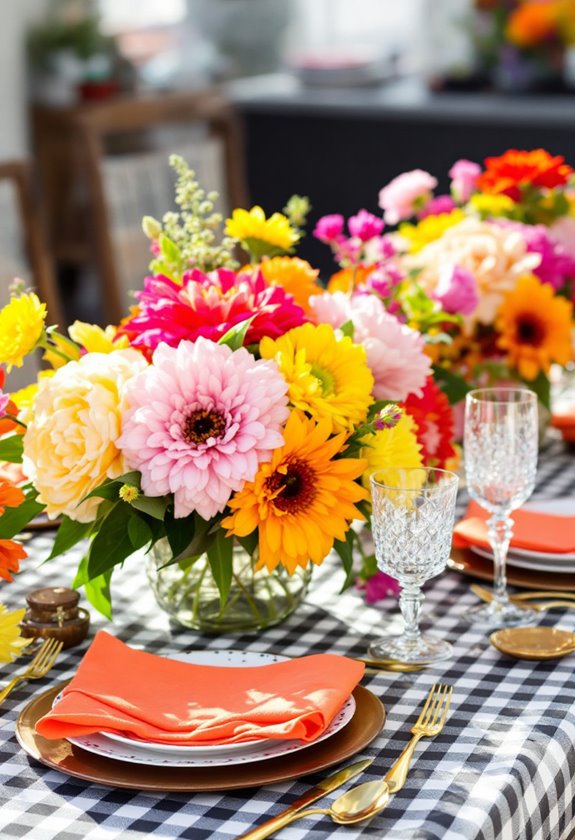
<point x="295" y="276"/>
<point x="11" y="553"/>
<point x="302" y="500"/>
<point x="509" y="173"/>
<point x="535" y="328"/>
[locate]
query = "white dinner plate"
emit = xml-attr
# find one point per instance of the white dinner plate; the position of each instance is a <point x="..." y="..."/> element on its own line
<point x="163" y="755"/>
<point x="565" y="566"/>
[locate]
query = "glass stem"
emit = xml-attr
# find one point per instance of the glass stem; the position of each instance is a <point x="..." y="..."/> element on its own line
<point x="410" y="601"/>
<point x="499" y="530"/>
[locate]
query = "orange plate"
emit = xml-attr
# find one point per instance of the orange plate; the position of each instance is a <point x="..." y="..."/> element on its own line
<point x="365" y="725"/>
<point x="465" y="561"/>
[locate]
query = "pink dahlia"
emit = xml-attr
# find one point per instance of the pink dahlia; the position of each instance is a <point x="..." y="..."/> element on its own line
<point x="395" y="352"/>
<point x="406" y="194"/>
<point x="208" y="305"/>
<point x="200" y="420"/>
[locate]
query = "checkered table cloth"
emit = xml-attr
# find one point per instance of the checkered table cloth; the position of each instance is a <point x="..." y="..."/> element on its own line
<point x="502" y="769"/>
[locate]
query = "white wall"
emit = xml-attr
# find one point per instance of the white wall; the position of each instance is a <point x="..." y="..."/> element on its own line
<point x="16" y="17"/>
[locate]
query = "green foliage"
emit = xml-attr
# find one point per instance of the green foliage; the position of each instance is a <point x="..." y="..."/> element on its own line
<point x="13" y="520"/>
<point x="12" y="449"/>
<point x="68" y="535"/>
<point x="453" y="386"/>
<point x="220" y="554"/>
<point x="234" y="338"/>
<point x="344" y="549"/>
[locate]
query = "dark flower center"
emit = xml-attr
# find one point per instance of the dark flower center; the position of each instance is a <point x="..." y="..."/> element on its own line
<point x="201" y="425"/>
<point x="296" y="487"/>
<point x="530" y="331"/>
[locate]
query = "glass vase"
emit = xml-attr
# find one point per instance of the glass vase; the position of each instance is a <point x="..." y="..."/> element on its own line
<point x="256" y="600"/>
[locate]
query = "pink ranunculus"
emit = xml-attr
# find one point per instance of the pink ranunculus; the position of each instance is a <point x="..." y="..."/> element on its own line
<point x="406" y="194"/>
<point x="200" y="420"/>
<point x="395" y="352"/>
<point x="209" y="305"/>
<point x="438" y="205"/>
<point x="329" y="228"/>
<point x="457" y="290"/>
<point x="380" y="586"/>
<point x="464" y="174"/>
<point x="365" y="226"/>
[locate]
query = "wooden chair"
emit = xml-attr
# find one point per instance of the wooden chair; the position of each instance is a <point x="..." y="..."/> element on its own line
<point x="135" y="180"/>
<point x="22" y="250"/>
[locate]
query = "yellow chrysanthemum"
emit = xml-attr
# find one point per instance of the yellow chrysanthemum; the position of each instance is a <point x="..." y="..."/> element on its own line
<point x="491" y="205"/>
<point x="391" y="448"/>
<point x="11" y="642"/>
<point x="94" y="339"/>
<point x="327" y="375"/>
<point x="21" y="327"/>
<point x="429" y="229"/>
<point x="535" y="328"/>
<point x="302" y="500"/>
<point x="295" y="276"/>
<point x="254" y="231"/>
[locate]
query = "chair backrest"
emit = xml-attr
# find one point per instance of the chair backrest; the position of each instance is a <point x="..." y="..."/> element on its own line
<point x="23" y="254"/>
<point x="126" y="144"/>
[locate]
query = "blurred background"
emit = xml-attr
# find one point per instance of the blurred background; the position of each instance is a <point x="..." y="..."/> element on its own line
<point x="265" y="98"/>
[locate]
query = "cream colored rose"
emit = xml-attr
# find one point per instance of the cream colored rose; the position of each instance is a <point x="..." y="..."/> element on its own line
<point x="496" y="255"/>
<point x="69" y="447"/>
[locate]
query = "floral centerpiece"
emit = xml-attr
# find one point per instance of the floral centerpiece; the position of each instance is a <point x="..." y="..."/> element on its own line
<point x="236" y="410"/>
<point x="486" y="273"/>
<point x="522" y="43"/>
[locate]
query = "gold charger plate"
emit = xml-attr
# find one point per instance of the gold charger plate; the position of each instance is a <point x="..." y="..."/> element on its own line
<point x="534" y="642"/>
<point x="365" y="724"/>
<point x="468" y="563"/>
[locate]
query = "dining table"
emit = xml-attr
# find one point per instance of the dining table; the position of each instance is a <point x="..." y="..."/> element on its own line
<point x="503" y="767"/>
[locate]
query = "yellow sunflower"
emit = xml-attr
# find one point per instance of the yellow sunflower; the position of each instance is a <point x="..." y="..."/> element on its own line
<point x="535" y="328"/>
<point x="429" y="229"/>
<point x="327" y="375"/>
<point x="21" y="328"/>
<point x="11" y="642"/>
<point x="261" y="236"/>
<point x="295" y="276"/>
<point x="302" y="500"/>
<point x="395" y="447"/>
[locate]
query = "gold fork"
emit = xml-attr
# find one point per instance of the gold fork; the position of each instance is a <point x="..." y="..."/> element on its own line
<point x="429" y="724"/>
<point x="39" y="666"/>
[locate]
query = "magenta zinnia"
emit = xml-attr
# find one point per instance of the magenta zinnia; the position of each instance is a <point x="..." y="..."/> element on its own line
<point x="209" y="305"/>
<point x="201" y="418"/>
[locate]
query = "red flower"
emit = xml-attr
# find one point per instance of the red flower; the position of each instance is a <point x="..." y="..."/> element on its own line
<point x="514" y="170"/>
<point x="209" y="305"/>
<point x="11" y="553"/>
<point x="434" y="421"/>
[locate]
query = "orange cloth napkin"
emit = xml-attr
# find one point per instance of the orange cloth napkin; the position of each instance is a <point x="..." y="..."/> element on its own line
<point x="533" y="530"/>
<point x="117" y="689"/>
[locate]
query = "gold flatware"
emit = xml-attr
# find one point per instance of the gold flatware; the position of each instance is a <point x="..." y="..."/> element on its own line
<point x="37" y="668"/>
<point x="429" y="724"/>
<point x="326" y="786"/>
<point x="524" y="599"/>
<point x="542" y="593"/>
<point x="534" y="642"/>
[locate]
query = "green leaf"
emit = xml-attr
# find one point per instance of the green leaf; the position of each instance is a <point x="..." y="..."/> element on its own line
<point x="220" y="559"/>
<point x="112" y="542"/>
<point x="249" y="543"/>
<point x="454" y="387"/>
<point x="69" y="534"/>
<point x="345" y="551"/>
<point x="180" y="532"/>
<point x="14" y="519"/>
<point x="235" y="336"/>
<point x="348" y="329"/>
<point x="109" y="489"/>
<point x="139" y="532"/>
<point x="154" y="506"/>
<point x="542" y="387"/>
<point x="12" y="448"/>
<point x="98" y="594"/>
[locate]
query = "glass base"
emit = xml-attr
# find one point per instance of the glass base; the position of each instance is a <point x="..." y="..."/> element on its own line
<point x="495" y="615"/>
<point x="422" y="651"/>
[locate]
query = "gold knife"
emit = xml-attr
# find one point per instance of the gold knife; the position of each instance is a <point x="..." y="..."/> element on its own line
<point x="326" y="786"/>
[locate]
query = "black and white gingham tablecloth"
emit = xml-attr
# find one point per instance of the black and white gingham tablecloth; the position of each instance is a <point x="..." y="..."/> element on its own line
<point x="503" y="768"/>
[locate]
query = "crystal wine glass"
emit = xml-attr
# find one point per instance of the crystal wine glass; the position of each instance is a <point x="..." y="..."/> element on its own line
<point x="500" y="451"/>
<point x="412" y="522"/>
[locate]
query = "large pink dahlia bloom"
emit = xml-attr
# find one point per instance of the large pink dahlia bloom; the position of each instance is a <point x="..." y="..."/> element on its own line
<point x="200" y="420"/>
<point x="395" y="352"/>
<point x="209" y="305"/>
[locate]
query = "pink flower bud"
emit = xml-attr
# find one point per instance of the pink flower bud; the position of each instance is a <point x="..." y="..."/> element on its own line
<point x="329" y="228"/>
<point x="365" y="225"/>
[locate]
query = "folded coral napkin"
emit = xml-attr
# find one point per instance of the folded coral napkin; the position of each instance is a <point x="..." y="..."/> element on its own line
<point x="532" y="530"/>
<point x="117" y="689"/>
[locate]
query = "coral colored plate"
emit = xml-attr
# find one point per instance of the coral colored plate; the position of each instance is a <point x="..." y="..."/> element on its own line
<point x="63" y="756"/>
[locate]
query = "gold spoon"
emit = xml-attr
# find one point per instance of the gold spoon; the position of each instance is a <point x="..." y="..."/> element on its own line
<point x="353" y="806"/>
